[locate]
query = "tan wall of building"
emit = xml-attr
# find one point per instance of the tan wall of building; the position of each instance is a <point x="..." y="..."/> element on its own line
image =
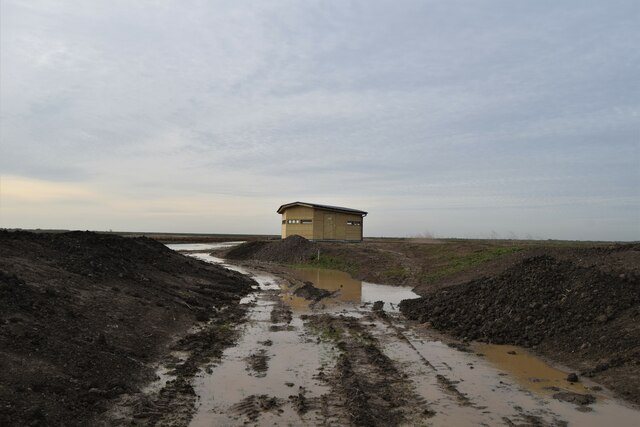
<point x="299" y="213"/>
<point x="345" y="231"/>
<point x="318" y="224"/>
<point x="326" y="225"/>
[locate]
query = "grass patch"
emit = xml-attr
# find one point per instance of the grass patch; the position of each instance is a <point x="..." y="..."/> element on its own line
<point x="327" y="262"/>
<point x="331" y="334"/>
<point x="453" y="264"/>
<point x="396" y="273"/>
<point x="325" y="329"/>
<point x="226" y="328"/>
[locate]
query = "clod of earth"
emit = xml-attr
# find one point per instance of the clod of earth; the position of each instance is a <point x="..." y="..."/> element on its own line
<point x="572" y="377"/>
<point x="310" y="292"/>
<point x="577" y="398"/>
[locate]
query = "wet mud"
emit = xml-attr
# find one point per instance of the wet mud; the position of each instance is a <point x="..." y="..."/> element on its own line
<point x="579" y="315"/>
<point x="340" y="362"/>
<point x="253" y="352"/>
<point x="374" y="391"/>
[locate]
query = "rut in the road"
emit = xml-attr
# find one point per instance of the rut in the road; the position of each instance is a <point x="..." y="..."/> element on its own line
<point x="374" y="391"/>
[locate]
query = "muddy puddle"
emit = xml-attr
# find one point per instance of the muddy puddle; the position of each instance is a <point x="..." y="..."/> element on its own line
<point x="530" y="371"/>
<point x="345" y="291"/>
<point x="337" y="362"/>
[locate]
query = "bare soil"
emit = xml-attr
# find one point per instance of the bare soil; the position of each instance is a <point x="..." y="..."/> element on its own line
<point x="85" y="318"/>
<point x="293" y="249"/>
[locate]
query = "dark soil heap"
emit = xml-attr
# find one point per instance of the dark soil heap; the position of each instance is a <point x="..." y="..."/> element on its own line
<point x="578" y="314"/>
<point x="83" y="316"/>
<point x="293" y="249"/>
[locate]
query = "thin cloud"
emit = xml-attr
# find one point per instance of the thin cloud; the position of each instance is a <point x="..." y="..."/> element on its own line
<point x="448" y="106"/>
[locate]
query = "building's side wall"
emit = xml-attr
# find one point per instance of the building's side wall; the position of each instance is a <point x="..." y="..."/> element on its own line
<point x="340" y="229"/>
<point x="298" y="213"/>
<point x="345" y="231"/>
<point x="325" y="225"/>
<point x="318" y="224"/>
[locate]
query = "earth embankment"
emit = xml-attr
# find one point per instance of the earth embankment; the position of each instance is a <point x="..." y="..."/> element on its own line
<point x="402" y="262"/>
<point x="293" y="249"/>
<point x="581" y="308"/>
<point x="424" y="264"/>
<point x="84" y="316"/>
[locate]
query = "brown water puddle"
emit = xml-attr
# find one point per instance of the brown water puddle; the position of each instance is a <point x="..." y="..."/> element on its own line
<point x="345" y="288"/>
<point x="528" y="370"/>
<point x="346" y="291"/>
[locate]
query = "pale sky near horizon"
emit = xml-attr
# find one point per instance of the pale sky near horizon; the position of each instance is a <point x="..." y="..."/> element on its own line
<point x="476" y="118"/>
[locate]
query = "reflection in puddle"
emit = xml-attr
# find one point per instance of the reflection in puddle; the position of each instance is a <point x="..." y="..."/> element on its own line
<point x="346" y="290"/>
<point x="204" y="247"/>
<point x="528" y="370"/>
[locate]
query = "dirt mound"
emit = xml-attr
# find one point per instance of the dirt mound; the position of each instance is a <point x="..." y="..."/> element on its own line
<point x="293" y="249"/>
<point x="533" y="301"/>
<point x="576" y="312"/>
<point x="83" y="316"/>
<point x="310" y="292"/>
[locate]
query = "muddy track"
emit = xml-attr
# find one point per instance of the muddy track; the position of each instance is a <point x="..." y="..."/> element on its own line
<point x="445" y="383"/>
<point x="355" y="364"/>
<point x="173" y="402"/>
<point x="374" y="391"/>
<point x="253" y="406"/>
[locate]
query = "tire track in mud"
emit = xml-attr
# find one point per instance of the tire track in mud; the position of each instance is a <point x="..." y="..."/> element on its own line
<point x="258" y="361"/>
<point x="266" y="406"/>
<point x="446" y="384"/>
<point x="372" y="389"/>
<point x="520" y="417"/>
<point x="325" y="406"/>
<point x="173" y="404"/>
<point x="251" y="407"/>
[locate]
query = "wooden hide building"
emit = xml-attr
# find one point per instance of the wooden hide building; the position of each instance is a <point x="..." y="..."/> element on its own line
<point x="321" y="222"/>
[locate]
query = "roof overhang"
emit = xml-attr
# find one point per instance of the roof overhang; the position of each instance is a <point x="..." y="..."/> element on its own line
<point x="322" y="207"/>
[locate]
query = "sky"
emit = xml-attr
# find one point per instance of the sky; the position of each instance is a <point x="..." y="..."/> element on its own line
<point x="443" y="118"/>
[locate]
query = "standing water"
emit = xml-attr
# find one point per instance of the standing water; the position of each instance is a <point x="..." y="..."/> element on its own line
<point x="288" y="366"/>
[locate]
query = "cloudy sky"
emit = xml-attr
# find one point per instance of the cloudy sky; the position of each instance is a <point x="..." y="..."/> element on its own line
<point x="442" y="117"/>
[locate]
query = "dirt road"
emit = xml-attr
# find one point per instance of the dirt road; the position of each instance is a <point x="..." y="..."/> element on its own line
<point x="101" y="330"/>
<point x="345" y="360"/>
<point x="577" y="303"/>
